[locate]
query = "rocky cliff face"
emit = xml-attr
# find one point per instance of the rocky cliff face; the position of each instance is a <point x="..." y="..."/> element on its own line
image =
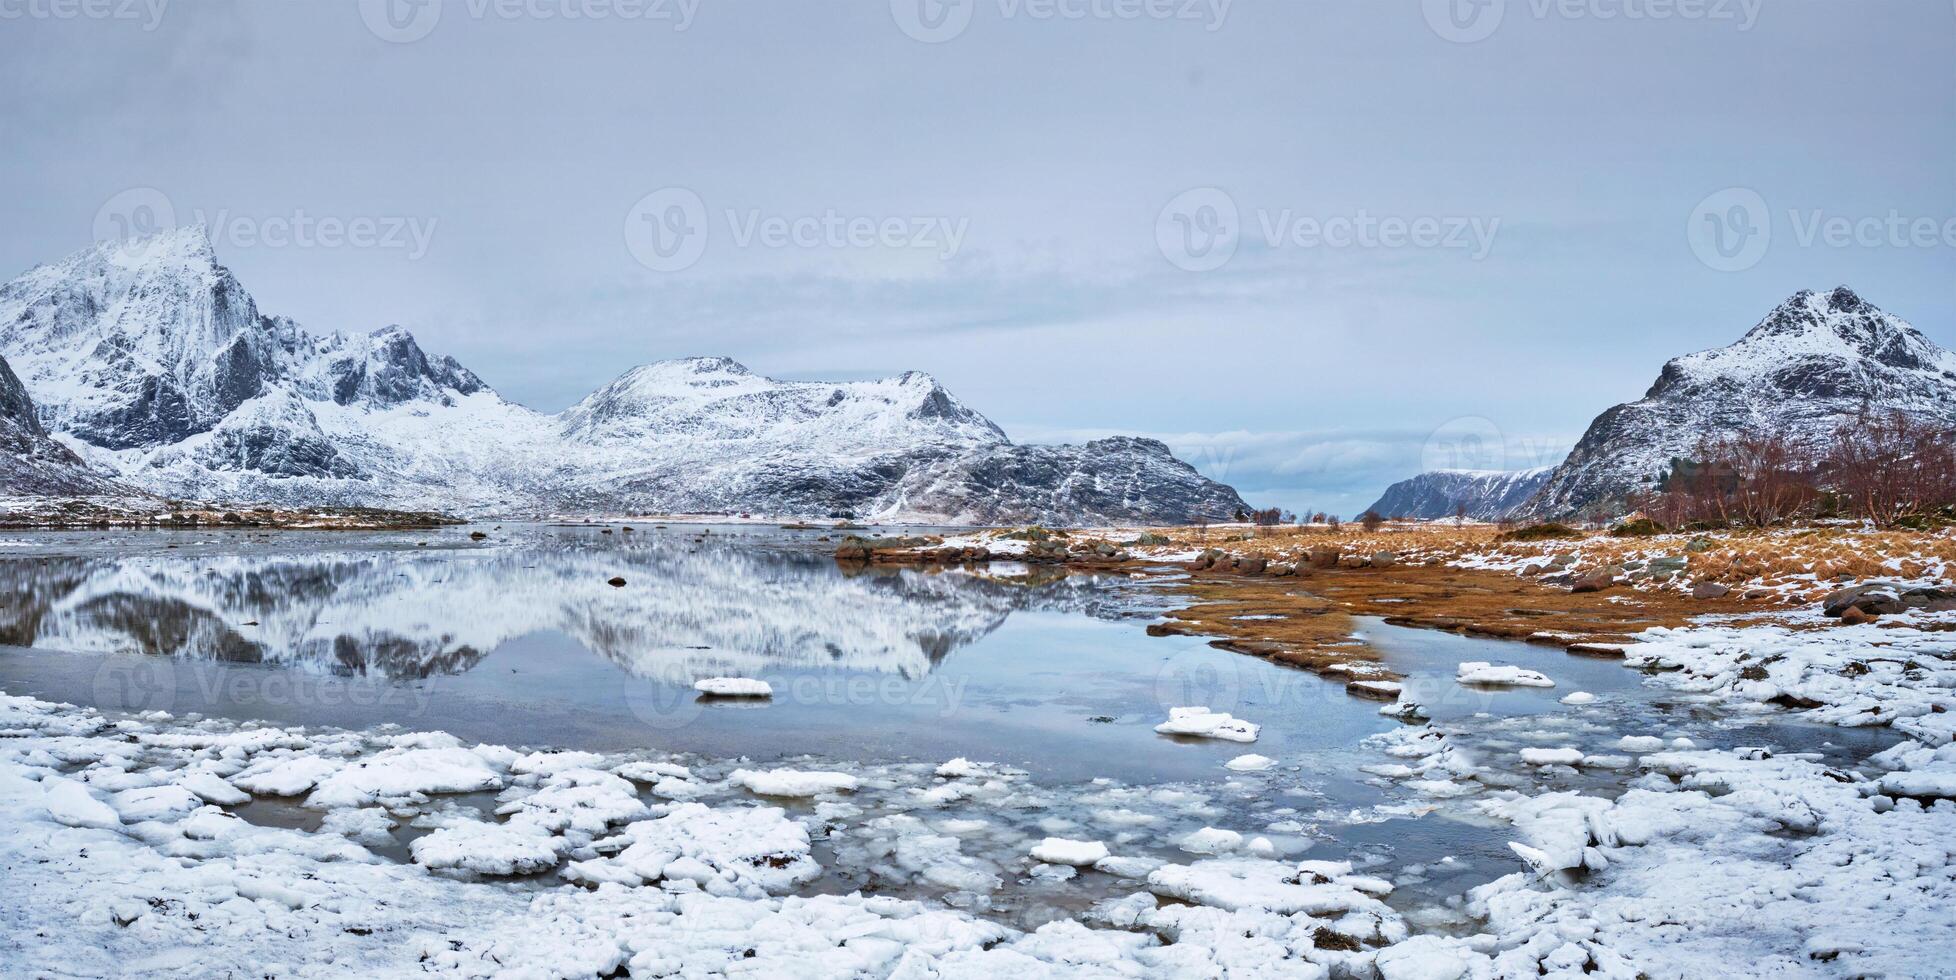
<point x="1813" y="363"/>
<point x="1122" y="479"/>
<point x="31" y="463"/>
<point x="1487" y="495"/>
<point x="153" y="357"/>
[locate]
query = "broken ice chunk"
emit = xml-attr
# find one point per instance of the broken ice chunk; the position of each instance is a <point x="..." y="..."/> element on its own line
<point x="792" y="782"/>
<point x="1551" y="757"/>
<point x="69" y="803"/>
<point x="1203" y="723"/>
<point x="1482" y="672"/>
<point x="734" y="687"/>
<point x="488" y="849"/>
<point x="1059" y="850"/>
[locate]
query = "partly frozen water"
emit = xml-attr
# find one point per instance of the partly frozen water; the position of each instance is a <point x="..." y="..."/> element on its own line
<point x="521" y="640"/>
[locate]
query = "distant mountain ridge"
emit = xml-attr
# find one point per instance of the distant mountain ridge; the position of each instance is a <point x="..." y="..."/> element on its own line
<point x="152" y="358"/>
<point x="1812" y="364"/>
<point x="1483" y="495"/>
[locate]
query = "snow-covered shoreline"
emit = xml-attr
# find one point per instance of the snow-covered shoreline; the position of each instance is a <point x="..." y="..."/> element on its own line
<point x="123" y="857"/>
<point x="189" y="846"/>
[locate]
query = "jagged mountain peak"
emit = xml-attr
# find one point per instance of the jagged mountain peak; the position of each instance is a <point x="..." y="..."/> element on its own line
<point x="1810" y="326"/>
<point x="718" y="398"/>
<point x="1812" y="364"/>
<point x="179" y="247"/>
<point x="386" y="368"/>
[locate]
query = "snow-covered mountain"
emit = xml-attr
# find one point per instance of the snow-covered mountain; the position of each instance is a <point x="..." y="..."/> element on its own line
<point x="1810" y="365"/>
<point x="153" y="360"/>
<point x="32" y="463"/>
<point x="1487" y="495"/>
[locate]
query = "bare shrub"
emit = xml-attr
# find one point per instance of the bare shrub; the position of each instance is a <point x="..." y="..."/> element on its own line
<point x="1890" y="467"/>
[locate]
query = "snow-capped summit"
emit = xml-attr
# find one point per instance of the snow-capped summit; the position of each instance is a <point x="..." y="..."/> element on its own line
<point x="1839" y="327"/>
<point x="152" y="358"/>
<point x="1813" y="363"/>
<point x="387" y="368"/>
<point x="709" y="398"/>
<point x="141" y="344"/>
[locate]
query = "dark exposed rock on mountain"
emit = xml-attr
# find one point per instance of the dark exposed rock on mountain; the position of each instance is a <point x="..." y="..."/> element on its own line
<point x="31" y="463"/>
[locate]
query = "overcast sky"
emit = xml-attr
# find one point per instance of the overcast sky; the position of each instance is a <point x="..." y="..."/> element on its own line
<point x="1315" y="246"/>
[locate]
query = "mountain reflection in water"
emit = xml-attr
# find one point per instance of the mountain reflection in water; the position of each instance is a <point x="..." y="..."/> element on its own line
<point x="694" y="605"/>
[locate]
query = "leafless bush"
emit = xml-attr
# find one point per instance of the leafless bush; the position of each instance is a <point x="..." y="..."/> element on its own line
<point x="1755" y="478"/>
<point x="1889" y="467"/>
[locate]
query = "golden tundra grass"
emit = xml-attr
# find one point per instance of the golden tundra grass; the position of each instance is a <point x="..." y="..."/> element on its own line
<point x="1800" y="562"/>
<point x="1308" y="620"/>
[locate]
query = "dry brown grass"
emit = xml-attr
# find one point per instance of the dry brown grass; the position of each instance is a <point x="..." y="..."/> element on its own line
<point x="1799" y="562"/>
<point x="1316" y="607"/>
<point x="1316" y="610"/>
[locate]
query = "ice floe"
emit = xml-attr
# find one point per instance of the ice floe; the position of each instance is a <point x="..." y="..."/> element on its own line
<point x="792" y="782"/>
<point x="734" y="687"/>
<point x="1503" y="675"/>
<point x="1059" y="850"/>
<point x="1203" y="723"/>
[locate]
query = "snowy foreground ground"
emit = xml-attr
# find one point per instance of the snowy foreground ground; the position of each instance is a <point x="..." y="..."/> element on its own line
<point x="121" y="855"/>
